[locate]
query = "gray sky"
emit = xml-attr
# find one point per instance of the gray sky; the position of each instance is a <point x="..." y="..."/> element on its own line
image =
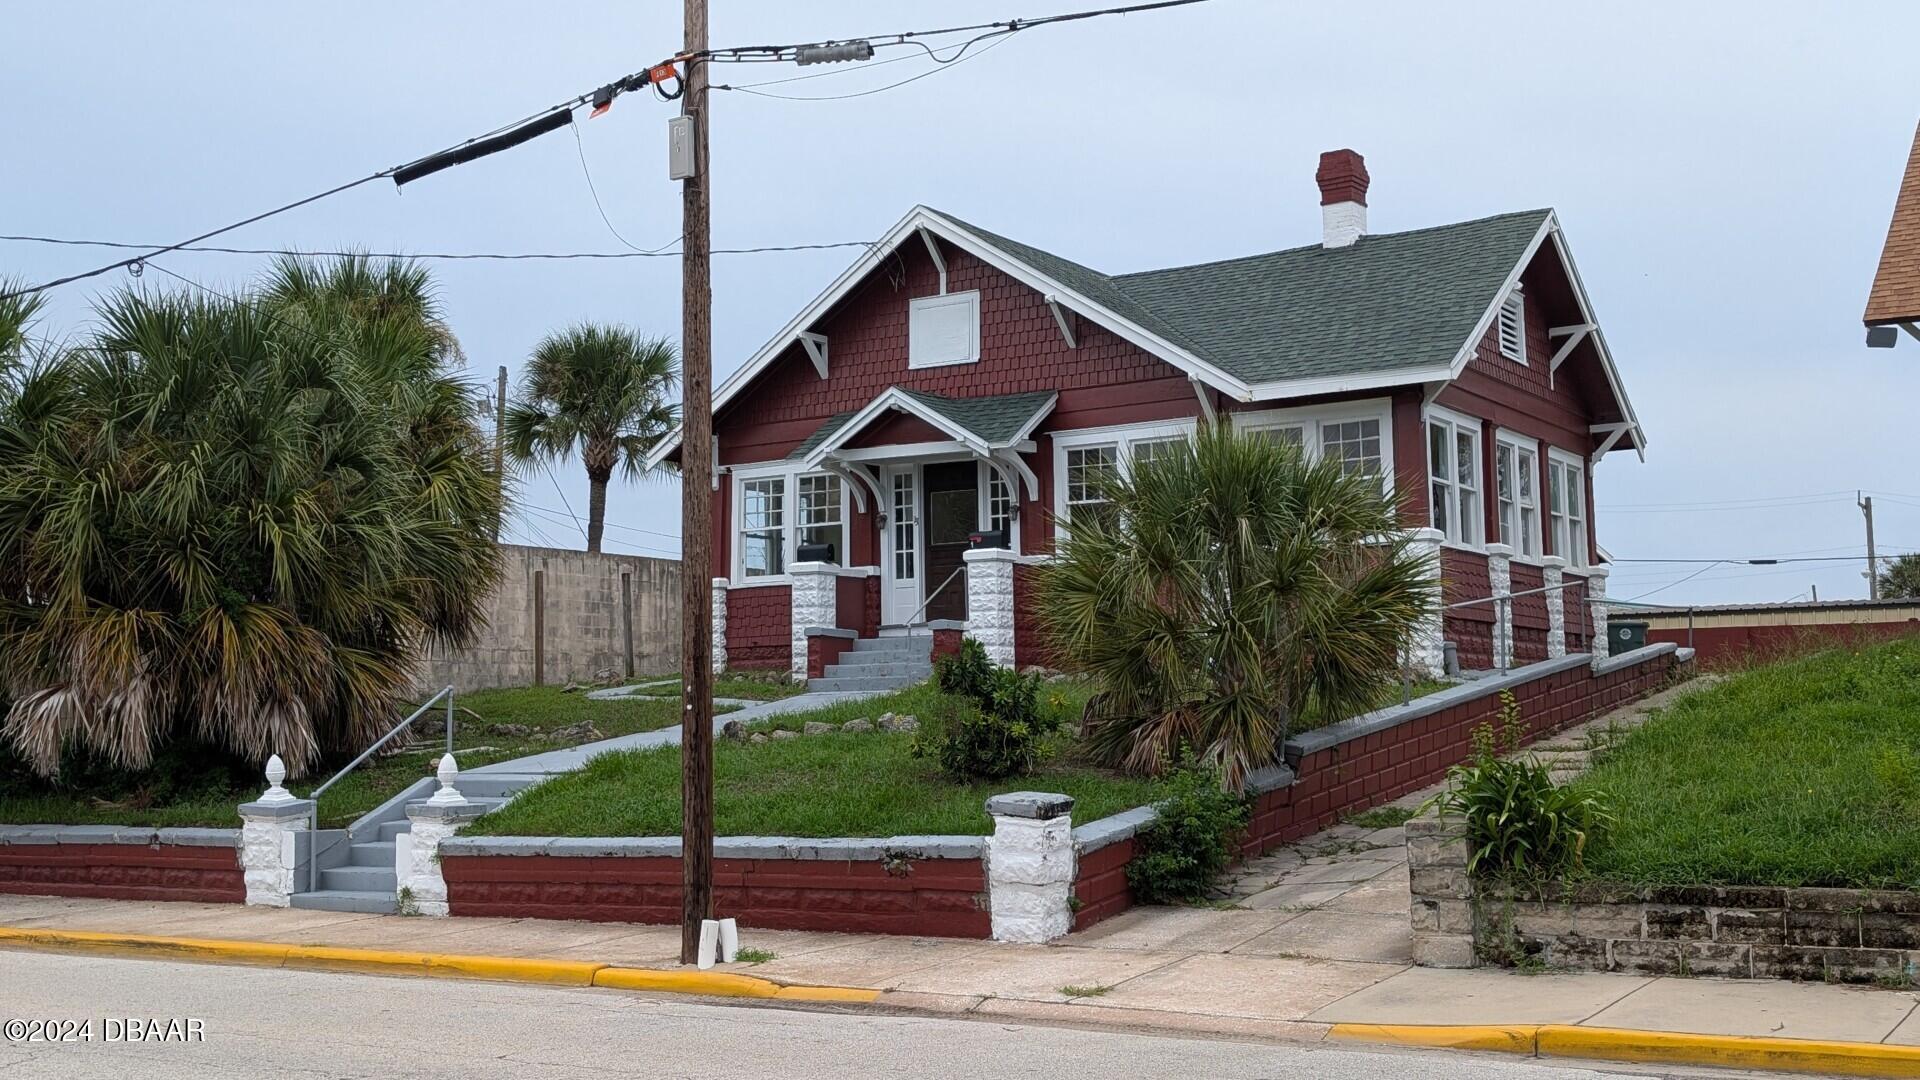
<point x="1724" y="172"/>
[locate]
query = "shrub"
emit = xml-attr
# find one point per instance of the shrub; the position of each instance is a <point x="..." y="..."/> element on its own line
<point x="989" y="724"/>
<point x="1191" y="839"/>
<point x="1519" y="823"/>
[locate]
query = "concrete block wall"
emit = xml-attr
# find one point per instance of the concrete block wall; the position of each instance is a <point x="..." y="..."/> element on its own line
<point x="580" y="605"/>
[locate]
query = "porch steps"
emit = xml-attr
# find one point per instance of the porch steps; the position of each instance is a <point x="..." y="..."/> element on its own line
<point x="365" y="881"/>
<point x="879" y="664"/>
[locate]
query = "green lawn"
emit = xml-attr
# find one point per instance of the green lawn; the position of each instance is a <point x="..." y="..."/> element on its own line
<point x="1804" y="772"/>
<point x="819" y="785"/>
<point x="486" y="730"/>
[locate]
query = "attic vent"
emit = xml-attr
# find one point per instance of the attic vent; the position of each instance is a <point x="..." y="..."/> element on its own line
<point x="1513" y="327"/>
<point x="943" y="330"/>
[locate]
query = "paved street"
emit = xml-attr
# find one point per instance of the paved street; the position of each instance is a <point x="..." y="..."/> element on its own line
<point x="291" y="1024"/>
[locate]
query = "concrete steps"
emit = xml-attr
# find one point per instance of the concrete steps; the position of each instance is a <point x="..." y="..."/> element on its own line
<point x="879" y="665"/>
<point x="364" y="881"/>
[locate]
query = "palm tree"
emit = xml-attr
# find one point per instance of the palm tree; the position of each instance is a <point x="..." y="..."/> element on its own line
<point x="600" y="391"/>
<point x="236" y="523"/>
<point x="1234" y="585"/>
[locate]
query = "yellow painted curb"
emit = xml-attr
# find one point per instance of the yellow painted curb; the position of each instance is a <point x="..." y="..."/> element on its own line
<point x="1507" y="1039"/>
<point x="448" y="965"/>
<point x="1663" y="1047"/>
<point x="1730" y="1051"/>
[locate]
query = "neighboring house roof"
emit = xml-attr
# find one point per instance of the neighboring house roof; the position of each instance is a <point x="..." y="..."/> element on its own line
<point x="1385" y="303"/>
<point x="1895" y="297"/>
<point x="1389" y="310"/>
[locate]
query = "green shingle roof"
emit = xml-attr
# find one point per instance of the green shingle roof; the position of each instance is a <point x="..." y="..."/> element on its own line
<point x="1398" y="300"/>
<point x="995" y="420"/>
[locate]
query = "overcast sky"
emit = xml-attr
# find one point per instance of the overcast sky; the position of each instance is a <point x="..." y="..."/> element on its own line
<point x="1724" y="174"/>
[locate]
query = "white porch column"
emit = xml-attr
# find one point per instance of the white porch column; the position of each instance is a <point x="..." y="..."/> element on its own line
<point x="1500" y="587"/>
<point x="990" y="615"/>
<point x="416" y="854"/>
<point x="816" y="602"/>
<point x="270" y="829"/>
<point x="1553" y="575"/>
<point x="1425" y="656"/>
<point x="1030" y="866"/>
<point x="1597" y="596"/>
<point x="719" y="625"/>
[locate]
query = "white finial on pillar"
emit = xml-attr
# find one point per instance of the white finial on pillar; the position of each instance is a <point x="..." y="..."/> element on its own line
<point x="275" y="795"/>
<point x="448" y="795"/>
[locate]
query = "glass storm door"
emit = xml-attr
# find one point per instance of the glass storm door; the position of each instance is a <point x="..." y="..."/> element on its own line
<point x="900" y="569"/>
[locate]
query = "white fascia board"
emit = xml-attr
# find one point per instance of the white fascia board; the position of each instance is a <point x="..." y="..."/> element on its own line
<point x="1339" y="384"/>
<point x="894" y="398"/>
<point x="1026" y="429"/>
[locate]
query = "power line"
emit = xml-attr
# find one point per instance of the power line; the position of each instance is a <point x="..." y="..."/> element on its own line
<point x="580" y="145"/>
<point x="437" y="255"/>
<point x="1729" y="502"/>
<point x="777" y="53"/>
<point x="1002" y="36"/>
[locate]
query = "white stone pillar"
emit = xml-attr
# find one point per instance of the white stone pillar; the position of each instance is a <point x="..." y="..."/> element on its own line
<point x="1597" y="597"/>
<point x="270" y="829"/>
<point x="416" y="853"/>
<point x="1500" y="587"/>
<point x="1553" y="576"/>
<point x="816" y="602"/>
<point x="719" y="625"/>
<point x="1030" y="866"/>
<point x="1425" y="657"/>
<point x="990" y="616"/>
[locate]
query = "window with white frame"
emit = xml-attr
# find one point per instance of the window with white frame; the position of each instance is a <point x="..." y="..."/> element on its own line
<point x="1513" y="326"/>
<point x="1355" y="444"/>
<point x="999" y="502"/>
<point x="1089" y="470"/>
<point x="1453" y="476"/>
<point x="821" y="519"/>
<point x="1516" y="469"/>
<point x="1294" y="435"/>
<point x="1145" y="450"/>
<point x="1567" y="507"/>
<point x="763" y="527"/>
<point x="904" y="520"/>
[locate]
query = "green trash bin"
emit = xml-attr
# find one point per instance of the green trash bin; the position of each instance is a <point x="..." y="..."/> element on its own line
<point x="1626" y="636"/>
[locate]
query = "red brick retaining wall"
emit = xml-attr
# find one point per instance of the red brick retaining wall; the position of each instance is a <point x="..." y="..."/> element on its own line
<point x="124" y="871"/>
<point x="938" y="897"/>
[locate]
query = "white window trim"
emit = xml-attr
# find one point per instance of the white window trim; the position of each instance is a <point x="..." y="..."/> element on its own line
<point x="1310" y="418"/>
<point x="1524" y="442"/>
<point x="970" y="298"/>
<point x="1515" y="301"/>
<point x="984" y="490"/>
<point x="1555" y="455"/>
<point x="1122" y="436"/>
<point x="1478" y="426"/>
<point x="790" y="520"/>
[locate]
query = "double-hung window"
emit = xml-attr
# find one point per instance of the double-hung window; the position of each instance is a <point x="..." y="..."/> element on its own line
<point x="1567" y="507"/>
<point x="1089" y="470"/>
<point x="1516" y="471"/>
<point x="1453" y="476"/>
<point x="999" y="501"/>
<point x="1086" y="463"/>
<point x="1357" y="436"/>
<point x="821" y="519"/>
<point x="1355" y="444"/>
<point x="763" y="527"/>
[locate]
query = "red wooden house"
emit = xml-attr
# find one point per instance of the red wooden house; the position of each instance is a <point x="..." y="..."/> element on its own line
<point x="955" y="382"/>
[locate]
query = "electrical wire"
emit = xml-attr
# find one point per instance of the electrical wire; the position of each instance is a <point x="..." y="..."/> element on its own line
<point x="776" y="53"/>
<point x="442" y="255"/>
<point x="587" y="174"/>
<point x="1670" y="585"/>
<point x="1001" y="37"/>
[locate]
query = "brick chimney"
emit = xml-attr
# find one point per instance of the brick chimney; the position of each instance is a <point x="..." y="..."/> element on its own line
<point x="1343" y="197"/>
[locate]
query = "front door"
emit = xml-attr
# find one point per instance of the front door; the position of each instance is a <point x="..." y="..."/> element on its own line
<point x="952" y="514"/>
<point x="900" y="545"/>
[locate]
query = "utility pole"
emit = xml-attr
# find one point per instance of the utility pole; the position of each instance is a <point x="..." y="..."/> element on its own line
<point x="1873" y="566"/>
<point x="500" y="444"/>
<point x="696" y="506"/>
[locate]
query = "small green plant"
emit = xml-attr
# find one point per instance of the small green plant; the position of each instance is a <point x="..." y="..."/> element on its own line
<point x="406" y="904"/>
<point x="1083" y="991"/>
<point x="988" y="724"/>
<point x="753" y="956"/>
<point x="1519" y="823"/>
<point x="1191" y="839"/>
<point x="967" y="673"/>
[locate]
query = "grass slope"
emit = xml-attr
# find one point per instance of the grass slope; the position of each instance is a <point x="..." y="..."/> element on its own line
<point x="1805" y="772"/>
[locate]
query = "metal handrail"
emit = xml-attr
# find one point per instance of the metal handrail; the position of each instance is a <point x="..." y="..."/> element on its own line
<point x="1502" y="601"/>
<point x="314" y="824"/>
<point x="957" y="571"/>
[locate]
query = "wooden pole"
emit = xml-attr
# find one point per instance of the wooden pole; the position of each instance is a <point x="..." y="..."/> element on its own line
<point x="500" y="448"/>
<point x="696" y="507"/>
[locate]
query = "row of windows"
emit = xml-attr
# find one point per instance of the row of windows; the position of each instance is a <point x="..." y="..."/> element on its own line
<point x="770" y="538"/>
<point x="1453" y="480"/>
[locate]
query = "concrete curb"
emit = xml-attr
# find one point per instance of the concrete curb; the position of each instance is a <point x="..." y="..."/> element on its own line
<point x="1661" y="1047"/>
<point x="441" y="965"/>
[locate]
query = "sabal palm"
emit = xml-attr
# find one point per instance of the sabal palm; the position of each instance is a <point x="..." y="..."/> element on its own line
<point x="601" y="392"/>
<point x="1235" y="585"/>
<point x="238" y="522"/>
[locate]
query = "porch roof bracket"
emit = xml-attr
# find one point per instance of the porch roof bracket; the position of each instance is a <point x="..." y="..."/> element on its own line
<point x="1011" y="459"/>
<point x="1206" y="402"/>
<point x="816" y="346"/>
<point x="1064" y="319"/>
<point x="1614" y="433"/>
<point x="854" y="485"/>
<point x="867" y="480"/>
<point x="1574" y="334"/>
<point x="939" y="260"/>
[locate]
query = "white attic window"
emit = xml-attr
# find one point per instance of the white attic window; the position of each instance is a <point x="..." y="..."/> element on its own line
<point x="1513" y="326"/>
<point x="943" y="330"/>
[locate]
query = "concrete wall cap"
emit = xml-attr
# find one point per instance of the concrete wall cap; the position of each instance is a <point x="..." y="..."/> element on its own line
<point x="1308" y="742"/>
<point x="946" y="624"/>
<point x="1271" y="778"/>
<point x="131" y="835"/>
<point x="831" y="631"/>
<point x="797" y="848"/>
<point x="185" y="837"/>
<point x="445" y="812"/>
<point x="1112" y="829"/>
<point x="1030" y="804"/>
<point x="1608" y="664"/>
<point x="298" y="808"/>
<point x="988" y="555"/>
